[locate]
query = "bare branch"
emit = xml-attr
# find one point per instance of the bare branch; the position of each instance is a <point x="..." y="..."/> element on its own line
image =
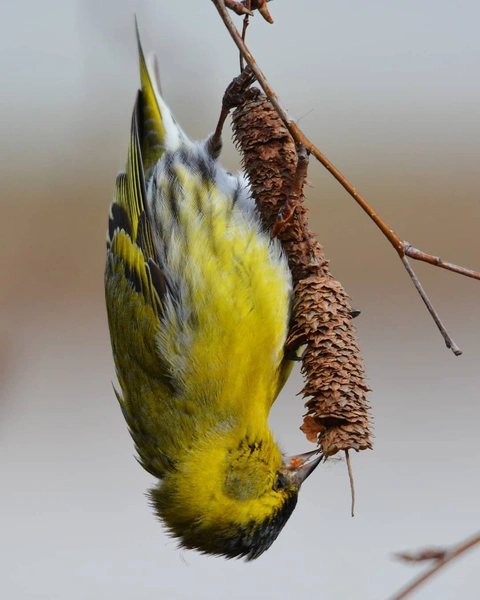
<point x="296" y="132"/>
<point x="416" y="282"/>
<point x="438" y="262"/>
<point x="445" y="556"/>
<point x="402" y="247"/>
<point x="422" y="555"/>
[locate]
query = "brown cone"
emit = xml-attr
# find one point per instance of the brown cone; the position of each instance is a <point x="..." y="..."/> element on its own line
<point x="338" y="412"/>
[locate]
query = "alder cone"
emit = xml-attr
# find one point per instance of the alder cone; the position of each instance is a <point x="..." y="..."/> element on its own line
<point x="335" y="389"/>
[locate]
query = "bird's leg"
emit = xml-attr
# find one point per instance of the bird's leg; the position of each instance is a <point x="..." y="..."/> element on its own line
<point x="236" y="93"/>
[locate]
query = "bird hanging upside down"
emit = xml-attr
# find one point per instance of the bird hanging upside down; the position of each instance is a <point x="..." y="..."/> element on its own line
<point x="199" y="303"/>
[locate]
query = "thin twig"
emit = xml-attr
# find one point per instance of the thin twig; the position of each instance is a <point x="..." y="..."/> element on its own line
<point x="352" y="481"/>
<point x="416" y="282"/>
<point x="246" y="22"/>
<point x="422" y="555"/>
<point x="438" y="262"/>
<point x="449" y="555"/>
<point x="402" y="248"/>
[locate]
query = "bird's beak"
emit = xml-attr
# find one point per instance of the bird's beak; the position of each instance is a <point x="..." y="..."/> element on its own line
<point x="302" y="465"/>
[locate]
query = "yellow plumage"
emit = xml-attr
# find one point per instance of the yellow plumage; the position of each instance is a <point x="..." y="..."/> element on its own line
<point x="198" y="300"/>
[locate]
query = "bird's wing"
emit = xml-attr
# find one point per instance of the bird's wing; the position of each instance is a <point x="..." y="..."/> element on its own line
<point x="134" y="288"/>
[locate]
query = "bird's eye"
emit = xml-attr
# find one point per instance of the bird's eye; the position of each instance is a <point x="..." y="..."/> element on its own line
<point x="281" y="482"/>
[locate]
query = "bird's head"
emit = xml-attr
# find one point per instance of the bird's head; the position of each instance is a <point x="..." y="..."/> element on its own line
<point x="237" y="504"/>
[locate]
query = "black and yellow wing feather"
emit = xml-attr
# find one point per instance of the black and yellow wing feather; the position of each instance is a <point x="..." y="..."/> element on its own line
<point x="135" y="286"/>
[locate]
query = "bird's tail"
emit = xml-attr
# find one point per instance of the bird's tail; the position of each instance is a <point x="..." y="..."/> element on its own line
<point x="158" y="130"/>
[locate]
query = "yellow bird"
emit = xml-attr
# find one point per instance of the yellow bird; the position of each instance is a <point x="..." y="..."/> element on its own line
<point x="199" y="303"/>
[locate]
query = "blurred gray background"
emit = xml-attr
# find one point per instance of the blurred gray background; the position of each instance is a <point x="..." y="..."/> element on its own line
<point x="390" y="92"/>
